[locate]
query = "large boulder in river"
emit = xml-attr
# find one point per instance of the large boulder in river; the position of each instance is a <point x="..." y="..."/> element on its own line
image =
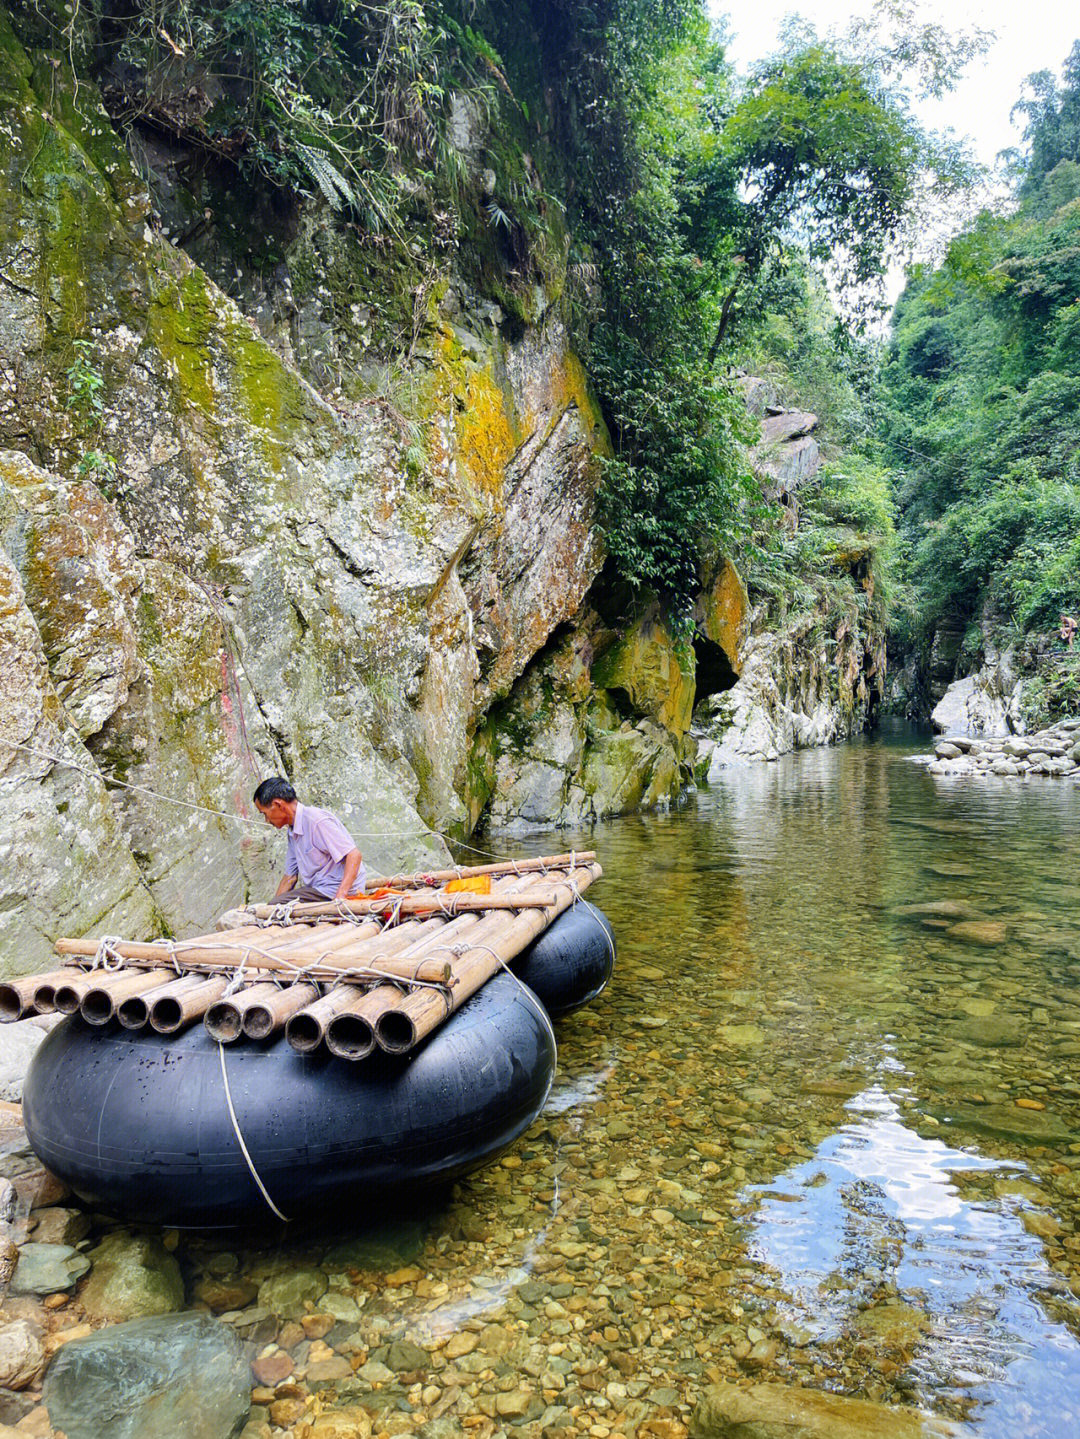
<point x="774" y="1411"/>
<point x="182" y="1374"/>
<point x="968" y="707"/>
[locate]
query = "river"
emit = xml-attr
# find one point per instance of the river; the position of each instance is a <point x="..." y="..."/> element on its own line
<point x="822" y="1129"/>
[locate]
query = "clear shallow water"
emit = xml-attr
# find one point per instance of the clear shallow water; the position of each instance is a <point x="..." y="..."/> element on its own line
<point x="812" y="1133"/>
<point x="839" y="1076"/>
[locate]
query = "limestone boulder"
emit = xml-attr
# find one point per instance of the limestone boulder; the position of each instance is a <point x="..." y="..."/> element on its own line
<point x="787" y="456"/>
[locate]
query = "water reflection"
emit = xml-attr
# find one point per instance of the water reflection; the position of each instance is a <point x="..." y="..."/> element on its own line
<point x="873" y="1236"/>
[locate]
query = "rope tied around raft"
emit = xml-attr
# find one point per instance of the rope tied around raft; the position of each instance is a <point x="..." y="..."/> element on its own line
<point x="107" y="956"/>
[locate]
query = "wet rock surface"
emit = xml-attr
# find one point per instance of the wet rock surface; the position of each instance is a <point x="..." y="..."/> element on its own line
<point x="768" y="1411"/>
<point x="46" y="1268"/>
<point x="134" y="1276"/>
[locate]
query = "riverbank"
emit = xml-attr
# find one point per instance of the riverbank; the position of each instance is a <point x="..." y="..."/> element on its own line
<point x="1053" y="752"/>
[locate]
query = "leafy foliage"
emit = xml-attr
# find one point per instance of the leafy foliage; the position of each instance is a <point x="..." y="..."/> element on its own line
<point x="982" y="394"/>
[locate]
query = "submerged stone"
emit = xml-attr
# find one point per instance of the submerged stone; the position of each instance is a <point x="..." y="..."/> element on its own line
<point x="286" y="1294"/>
<point x="47" y="1268"/>
<point x="21" y="1355"/>
<point x="774" y="1411"/>
<point x="134" y="1277"/>
<point x="151" y="1379"/>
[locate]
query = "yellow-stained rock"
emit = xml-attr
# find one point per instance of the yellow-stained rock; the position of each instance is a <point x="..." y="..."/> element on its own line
<point x="724" y="611"/>
<point x="646" y="666"/>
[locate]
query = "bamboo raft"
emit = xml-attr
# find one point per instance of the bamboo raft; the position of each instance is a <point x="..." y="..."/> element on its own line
<point x="354" y="975"/>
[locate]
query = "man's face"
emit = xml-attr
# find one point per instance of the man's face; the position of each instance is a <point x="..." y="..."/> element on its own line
<point x="277" y="813"/>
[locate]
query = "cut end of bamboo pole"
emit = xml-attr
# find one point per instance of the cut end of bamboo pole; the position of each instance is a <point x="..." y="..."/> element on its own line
<point x="134" y="1013"/>
<point x="12" y="1005"/>
<point x="44" y="1000"/>
<point x="350" y="1036"/>
<point x="304" y="1032"/>
<point x="97" y="1006"/>
<point x="224" y="1022"/>
<point x="258" y="1022"/>
<point x="166" y="1014"/>
<point x="395" y="1031"/>
<point x="66" y="998"/>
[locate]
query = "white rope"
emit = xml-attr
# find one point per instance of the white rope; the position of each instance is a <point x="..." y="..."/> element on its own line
<point x="587" y="904"/>
<point x="240" y="1139"/>
<point x="107" y="956"/>
<point x="541" y="1011"/>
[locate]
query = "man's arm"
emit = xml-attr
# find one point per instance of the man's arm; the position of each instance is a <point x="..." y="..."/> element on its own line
<point x="353" y="861"/>
<point x="287" y="882"/>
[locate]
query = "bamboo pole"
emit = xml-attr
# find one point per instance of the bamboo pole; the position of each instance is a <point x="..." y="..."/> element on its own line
<point x="99" y="1001"/>
<point x="493" y="944"/>
<point x="225" y="1020"/>
<point x="306" y="1028"/>
<point x="134" y="1012"/>
<point x="18" y="997"/>
<point x="170" y="1013"/>
<point x="68" y="996"/>
<point x="421" y="879"/>
<point x="438" y="903"/>
<point x="395" y="1031"/>
<point x="228" y="958"/>
<point x="351" y="1033"/>
<point x="263" y="1019"/>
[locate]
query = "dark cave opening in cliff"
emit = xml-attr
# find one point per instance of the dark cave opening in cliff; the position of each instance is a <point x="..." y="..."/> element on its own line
<point x="713" y="669"/>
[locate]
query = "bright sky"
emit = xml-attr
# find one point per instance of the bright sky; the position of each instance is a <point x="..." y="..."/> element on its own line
<point x="1031" y="35"/>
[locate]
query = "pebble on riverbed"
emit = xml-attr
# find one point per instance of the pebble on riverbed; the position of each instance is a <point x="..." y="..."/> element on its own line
<point x="1054" y="752"/>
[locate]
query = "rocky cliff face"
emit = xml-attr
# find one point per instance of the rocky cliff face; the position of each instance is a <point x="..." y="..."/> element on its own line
<point x="222" y="574"/>
<point x="798" y="680"/>
<point x="237" y="539"/>
<point x="974" y="680"/>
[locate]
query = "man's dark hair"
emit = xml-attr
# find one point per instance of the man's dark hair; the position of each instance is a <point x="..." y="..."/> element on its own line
<point x="272" y="789"/>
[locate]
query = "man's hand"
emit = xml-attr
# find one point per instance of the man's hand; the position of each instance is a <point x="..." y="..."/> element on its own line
<point x="288" y="881"/>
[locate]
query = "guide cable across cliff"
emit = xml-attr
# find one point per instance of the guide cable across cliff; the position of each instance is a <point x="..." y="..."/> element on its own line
<point x="220" y="813"/>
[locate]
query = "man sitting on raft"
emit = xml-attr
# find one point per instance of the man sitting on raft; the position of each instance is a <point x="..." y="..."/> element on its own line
<point x="321" y="861"/>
